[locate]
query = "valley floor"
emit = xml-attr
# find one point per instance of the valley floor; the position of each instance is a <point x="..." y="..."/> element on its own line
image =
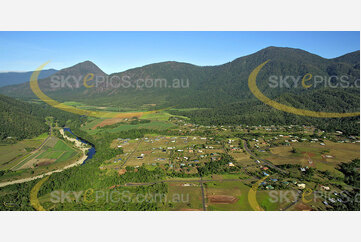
<point x="182" y="166"/>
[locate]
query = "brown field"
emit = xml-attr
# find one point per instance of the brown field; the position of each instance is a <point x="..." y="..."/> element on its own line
<point x="300" y="206"/>
<point x="45" y="162"/>
<point x="37" y="162"/>
<point x="121" y="116"/>
<point x="227" y="196"/>
<point x="116" y="120"/>
<point x="222" y="199"/>
<point x="122" y="171"/>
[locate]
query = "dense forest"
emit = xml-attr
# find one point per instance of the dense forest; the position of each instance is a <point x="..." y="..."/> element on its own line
<point x="258" y="113"/>
<point x="351" y="171"/>
<point x="20" y="120"/>
<point x="224" y="90"/>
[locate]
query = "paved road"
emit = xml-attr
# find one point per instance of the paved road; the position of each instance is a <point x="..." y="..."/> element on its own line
<point x="203" y="195"/>
<point x="262" y="160"/>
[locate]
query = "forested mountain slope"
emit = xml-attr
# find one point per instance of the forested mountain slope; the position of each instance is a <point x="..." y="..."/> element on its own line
<point x="223" y="89"/>
<point x="208" y="86"/>
<point x="20" y="120"/>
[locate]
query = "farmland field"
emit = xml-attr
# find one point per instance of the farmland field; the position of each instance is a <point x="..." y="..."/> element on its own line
<point x="54" y="150"/>
<point x="158" y="120"/>
<point x="184" y="198"/>
<point x="227" y="196"/>
<point x="59" y="150"/>
<point x="123" y="127"/>
<point x="10" y="154"/>
<point x="314" y="155"/>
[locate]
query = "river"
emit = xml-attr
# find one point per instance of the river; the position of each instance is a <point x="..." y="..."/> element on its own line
<point x="91" y="151"/>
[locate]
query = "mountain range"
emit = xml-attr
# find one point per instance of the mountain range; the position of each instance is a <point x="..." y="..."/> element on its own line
<point x="13" y="78"/>
<point x="209" y="86"/>
<point x="223" y="89"/>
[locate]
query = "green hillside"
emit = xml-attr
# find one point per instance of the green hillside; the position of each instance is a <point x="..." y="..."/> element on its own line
<point x="20" y="120"/>
<point x="223" y="88"/>
<point x="16" y="120"/>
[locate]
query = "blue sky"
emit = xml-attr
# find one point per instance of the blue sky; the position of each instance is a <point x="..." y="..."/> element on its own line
<point x="119" y="51"/>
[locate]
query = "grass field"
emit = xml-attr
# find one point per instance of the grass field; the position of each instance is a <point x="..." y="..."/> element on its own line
<point x="91" y="123"/>
<point x="160" y="116"/>
<point x="41" y="137"/>
<point x="59" y="152"/>
<point x="10" y="154"/>
<point x="218" y="192"/>
<point x="188" y="109"/>
<point x="55" y="154"/>
<point x="233" y="196"/>
<point x="84" y="106"/>
<point x="325" y="157"/>
<point x="28" y="158"/>
<point x="184" y="198"/>
<point x="104" y="108"/>
<point x="122" y="127"/>
<point x="54" y="150"/>
<point x="149" y="147"/>
<point x="159" y="120"/>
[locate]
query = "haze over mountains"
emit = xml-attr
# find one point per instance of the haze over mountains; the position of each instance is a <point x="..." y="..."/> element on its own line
<point x="12" y="77"/>
<point x="223" y="88"/>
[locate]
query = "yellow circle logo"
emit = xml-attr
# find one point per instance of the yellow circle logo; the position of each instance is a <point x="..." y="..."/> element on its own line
<point x="258" y="94"/>
<point x="34" y="85"/>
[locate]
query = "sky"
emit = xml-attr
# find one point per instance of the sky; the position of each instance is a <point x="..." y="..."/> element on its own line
<point x="119" y="51"/>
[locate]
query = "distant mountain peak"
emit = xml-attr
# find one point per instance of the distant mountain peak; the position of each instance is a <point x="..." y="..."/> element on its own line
<point x="82" y="68"/>
<point x="208" y="85"/>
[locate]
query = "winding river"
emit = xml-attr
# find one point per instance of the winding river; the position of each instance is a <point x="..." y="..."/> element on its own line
<point x="89" y="155"/>
<point x="91" y="151"/>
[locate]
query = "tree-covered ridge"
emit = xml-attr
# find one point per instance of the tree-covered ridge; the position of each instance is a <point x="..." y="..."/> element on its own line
<point x="20" y="120"/>
<point x="208" y="86"/>
<point x="257" y="113"/>
<point x="224" y="90"/>
<point x="17" y="121"/>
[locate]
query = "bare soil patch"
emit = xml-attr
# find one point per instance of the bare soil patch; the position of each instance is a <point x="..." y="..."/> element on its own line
<point x="117" y="120"/>
<point x="45" y="163"/>
<point x="122" y="171"/>
<point x="222" y="199"/>
<point x="303" y="207"/>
